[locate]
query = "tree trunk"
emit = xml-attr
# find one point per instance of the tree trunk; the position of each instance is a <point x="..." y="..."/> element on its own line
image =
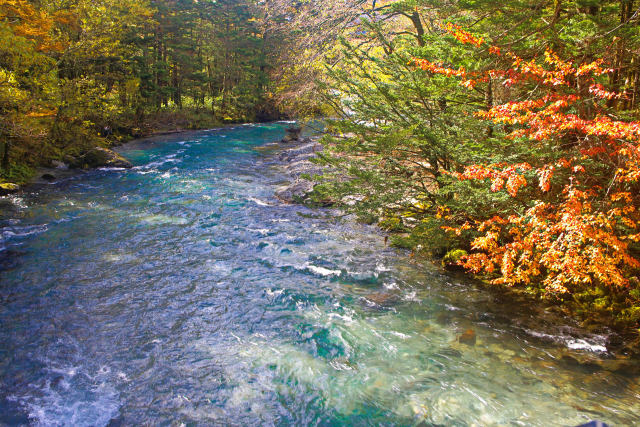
<point x="5" y="154"/>
<point x="417" y="23"/>
<point x="489" y="101"/>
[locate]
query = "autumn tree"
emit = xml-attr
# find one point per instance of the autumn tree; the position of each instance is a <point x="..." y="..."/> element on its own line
<point x="578" y="224"/>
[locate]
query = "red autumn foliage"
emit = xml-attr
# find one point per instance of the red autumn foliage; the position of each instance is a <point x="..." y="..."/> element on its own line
<point x="583" y="215"/>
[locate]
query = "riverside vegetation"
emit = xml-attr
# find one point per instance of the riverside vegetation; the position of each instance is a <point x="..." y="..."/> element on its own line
<point x="502" y="136"/>
<point x="80" y="74"/>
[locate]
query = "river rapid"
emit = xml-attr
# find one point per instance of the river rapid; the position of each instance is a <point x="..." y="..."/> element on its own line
<point x="182" y="292"/>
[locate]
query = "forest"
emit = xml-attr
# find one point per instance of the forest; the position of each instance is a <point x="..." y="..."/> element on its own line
<point x="500" y="137"/>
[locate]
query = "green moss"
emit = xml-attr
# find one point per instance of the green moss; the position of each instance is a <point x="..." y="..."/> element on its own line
<point x="404" y="241"/>
<point x="452" y="259"/>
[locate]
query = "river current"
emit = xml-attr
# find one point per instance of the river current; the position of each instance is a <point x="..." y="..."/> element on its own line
<point x="182" y="292"/>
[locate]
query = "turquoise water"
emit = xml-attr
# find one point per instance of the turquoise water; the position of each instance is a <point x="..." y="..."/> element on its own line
<point x="181" y="292"/>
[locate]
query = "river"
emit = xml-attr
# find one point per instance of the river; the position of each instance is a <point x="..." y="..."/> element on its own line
<point x="182" y="292"/>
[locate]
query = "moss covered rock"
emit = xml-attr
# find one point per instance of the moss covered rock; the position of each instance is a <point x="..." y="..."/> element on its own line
<point x="99" y="157"/>
<point x="451" y="261"/>
<point x="8" y="188"/>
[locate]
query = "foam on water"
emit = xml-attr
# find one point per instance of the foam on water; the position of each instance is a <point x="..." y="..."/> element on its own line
<point x="259" y="202"/>
<point x="323" y="271"/>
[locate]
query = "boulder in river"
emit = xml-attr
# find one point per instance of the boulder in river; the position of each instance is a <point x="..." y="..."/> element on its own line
<point x="308" y="149"/>
<point x="99" y="157"/>
<point x="71" y="161"/>
<point x="48" y="177"/>
<point x="293" y="134"/>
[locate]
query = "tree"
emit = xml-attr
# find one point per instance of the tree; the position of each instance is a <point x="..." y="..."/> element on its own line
<point x="580" y="227"/>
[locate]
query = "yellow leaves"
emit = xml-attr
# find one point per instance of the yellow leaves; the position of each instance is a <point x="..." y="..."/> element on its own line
<point x="443" y="211"/>
<point x="628" y="222"/>
<point x="497" y="184"/>
<point x="488" y="242"/>
<point x="478" y="262"/>
<point x="624" y="196"/>
<point x="469" y="84"/>
<point x="457" y="230"/>
<point x="31" y="23"/>
<point x="581" y="235"/>
<point x="634" y="237"/>
<point x="43" y="113"/>
<point x="507" y="264"/>
<point x="462" y="36"/>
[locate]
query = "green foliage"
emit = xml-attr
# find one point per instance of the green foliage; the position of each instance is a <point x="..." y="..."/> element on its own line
<point x="17" y="174"/>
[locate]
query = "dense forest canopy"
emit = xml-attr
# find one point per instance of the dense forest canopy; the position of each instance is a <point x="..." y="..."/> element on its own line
<point x="503" y="135"/>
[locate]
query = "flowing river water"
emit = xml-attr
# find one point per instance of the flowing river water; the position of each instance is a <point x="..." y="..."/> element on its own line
<point x="182" y="292"/>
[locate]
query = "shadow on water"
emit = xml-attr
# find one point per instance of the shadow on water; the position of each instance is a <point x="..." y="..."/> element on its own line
<point x="182" y="291"/>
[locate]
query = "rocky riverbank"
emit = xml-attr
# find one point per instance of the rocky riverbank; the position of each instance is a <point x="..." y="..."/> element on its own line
<point x="97" y="157"/>
<point x="600" y="349"/>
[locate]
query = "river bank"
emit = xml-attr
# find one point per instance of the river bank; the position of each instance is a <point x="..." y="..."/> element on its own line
<point x="297" y="162"/>
<point x="108" y="144"/>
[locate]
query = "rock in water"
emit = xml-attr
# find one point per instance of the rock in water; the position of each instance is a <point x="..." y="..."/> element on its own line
<point x="59" y="165"/>
<point x="383" y="299"/>
<point x="468" y="337"/>
<point x="48" y="177"/>
<point x="444" y="318"/>
<point x="296" y="192"/>
<point x="101" y="157"/>
<point x="72" y="161"/>
<point x="293" y="134"/>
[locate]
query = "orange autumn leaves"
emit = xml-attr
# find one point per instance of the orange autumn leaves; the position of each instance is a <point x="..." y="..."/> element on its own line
<point x="582" y="211"/>
<point x="34" y="24"/>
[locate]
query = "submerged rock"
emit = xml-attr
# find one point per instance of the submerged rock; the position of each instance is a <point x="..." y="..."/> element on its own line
<point x="10" y="259"/>
<point x="578" y="362"/>
<point x="48" y="177"/>
<point x="296" y="164"/>
<point x="383" y="299"/>
<point x="468" y="337"/>
<point x="305" y="151"/>
<point x="444" y="318"/>
<point x="102" y="157"/>
<point x="627" y="367"/>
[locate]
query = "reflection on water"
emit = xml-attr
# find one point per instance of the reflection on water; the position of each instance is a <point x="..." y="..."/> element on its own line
<point x="182" y="291"/>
